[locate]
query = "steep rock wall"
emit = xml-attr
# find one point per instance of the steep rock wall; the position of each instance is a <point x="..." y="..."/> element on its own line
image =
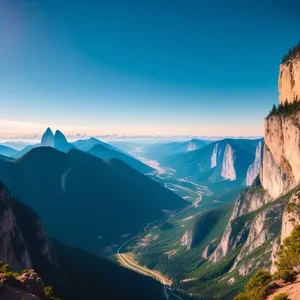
<point x="254" y="169"/>
<point x="23" y="240"/>
<point x="289" y="80"/>
<point x="228" y="170"/>
<point x="264" y="228"/>
<point x="282" y="154"/>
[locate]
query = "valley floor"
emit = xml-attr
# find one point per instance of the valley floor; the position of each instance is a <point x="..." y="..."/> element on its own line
<point x="127" y="261"/>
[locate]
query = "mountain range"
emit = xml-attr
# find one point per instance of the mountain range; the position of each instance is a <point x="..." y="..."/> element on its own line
<point x="91" y="145"/>
<point x="160" y="150"/>
<point x="227" y="159"/>
<point x="213" y="254"/>
<point x="83" y="200"/>
<point x="75" y="274"/>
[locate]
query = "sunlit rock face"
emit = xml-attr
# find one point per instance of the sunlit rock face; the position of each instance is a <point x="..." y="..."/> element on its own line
<point x="254" y="169"/>
<point x="47" y="138"/>
<point x="281" y="160"/>
<point x="265" y="227"/>
<point x="289" y="80"/>
<point x="228" y="171"/>
<point x="215" y="156"/>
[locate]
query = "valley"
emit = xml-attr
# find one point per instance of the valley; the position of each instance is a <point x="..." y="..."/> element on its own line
<point x="147" y="151"/>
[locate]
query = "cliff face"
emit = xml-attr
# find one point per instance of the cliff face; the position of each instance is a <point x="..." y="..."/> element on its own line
<point x="264" y="229"/>
<point x="13" y="248"/>
<point x="289" y="80"/>
<point x="22" y="235"/>
<point x="238" y="227"/>
<point x="215" y="156"/>
<point x="268" y="207"/>
<point x="281" y="162"/>
<point x="253" y="170"/>
<point x="228" y="171"/>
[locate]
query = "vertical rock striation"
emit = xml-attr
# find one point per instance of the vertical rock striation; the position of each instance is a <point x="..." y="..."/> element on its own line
<point x="254" y="169"/>
<point x="289" y="80"/>
<point x="228" y="171"/>
<point x="215" y="156"/>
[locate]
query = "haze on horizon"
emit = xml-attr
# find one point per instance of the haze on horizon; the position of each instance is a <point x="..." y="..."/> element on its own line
<point x="151" y="68"/>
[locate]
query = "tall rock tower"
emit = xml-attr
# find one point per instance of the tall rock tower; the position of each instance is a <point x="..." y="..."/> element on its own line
<point x="48" y="138"/>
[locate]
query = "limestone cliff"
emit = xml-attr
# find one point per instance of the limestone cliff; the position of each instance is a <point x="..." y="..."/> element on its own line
<point x="281" y="161"/>
<point x="254" y="169"/>
<point x="228" y="171"/>
<point x="264" y="229"/>
<point x="272" y="204"/>
<point x="215" y="156"/>
<point x="289" y="79"/>
<point x="238" y="227"/>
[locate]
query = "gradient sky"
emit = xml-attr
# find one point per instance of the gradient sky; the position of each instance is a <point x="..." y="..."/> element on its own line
<point x="142" y="67"/>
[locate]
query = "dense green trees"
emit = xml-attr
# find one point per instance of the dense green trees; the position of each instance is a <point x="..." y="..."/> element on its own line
<point x="288" y="257"/>
<point x="286" y="108"/>
<point x="288" y="263"/>
<point x="257" y="287"/>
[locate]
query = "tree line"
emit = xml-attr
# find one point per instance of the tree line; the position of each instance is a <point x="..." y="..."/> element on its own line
<point x="286" y="108"/>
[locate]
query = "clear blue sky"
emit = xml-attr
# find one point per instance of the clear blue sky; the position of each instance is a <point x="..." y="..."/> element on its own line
<point x="142" y="67"/>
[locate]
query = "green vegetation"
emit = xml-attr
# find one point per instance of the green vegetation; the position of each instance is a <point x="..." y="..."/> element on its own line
<point x="7" y="272"/>
<point x="293" y="53"/>
<point x="286" y="109"/>
<point x="289" y="256"/>
<point x="49" y="293"/>
<point x="257" y="287"/>
<point x="282" y="296"/>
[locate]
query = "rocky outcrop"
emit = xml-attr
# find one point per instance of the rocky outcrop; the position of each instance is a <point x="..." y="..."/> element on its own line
<point x="23" y="239"/>
<point x="273" y="178"/>
<point x="291" y="216"/>
<point x="207" y="252"/>
<point x="32" y="282"/>
<point x="238" y="227"/>
<point x="47" y="138"/>
<point x="234" y="235"/>
<point x="215" y="156"/>
<point x="228" y="171"/>
<point x="264" y="228"/>
<point x="254" y="169"/>
<point x="289" y="80"/>
<point x="281" y="162"/>
<point x="186" y="240"/>
<point x="13" y="248"/>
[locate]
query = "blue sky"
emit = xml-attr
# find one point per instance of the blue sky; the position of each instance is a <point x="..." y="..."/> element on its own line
<point x="142" y="67"/>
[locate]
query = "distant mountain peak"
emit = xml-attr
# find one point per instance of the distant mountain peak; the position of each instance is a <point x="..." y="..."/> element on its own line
<point x="47" y="138"/>
<point x="59" y="139"/>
